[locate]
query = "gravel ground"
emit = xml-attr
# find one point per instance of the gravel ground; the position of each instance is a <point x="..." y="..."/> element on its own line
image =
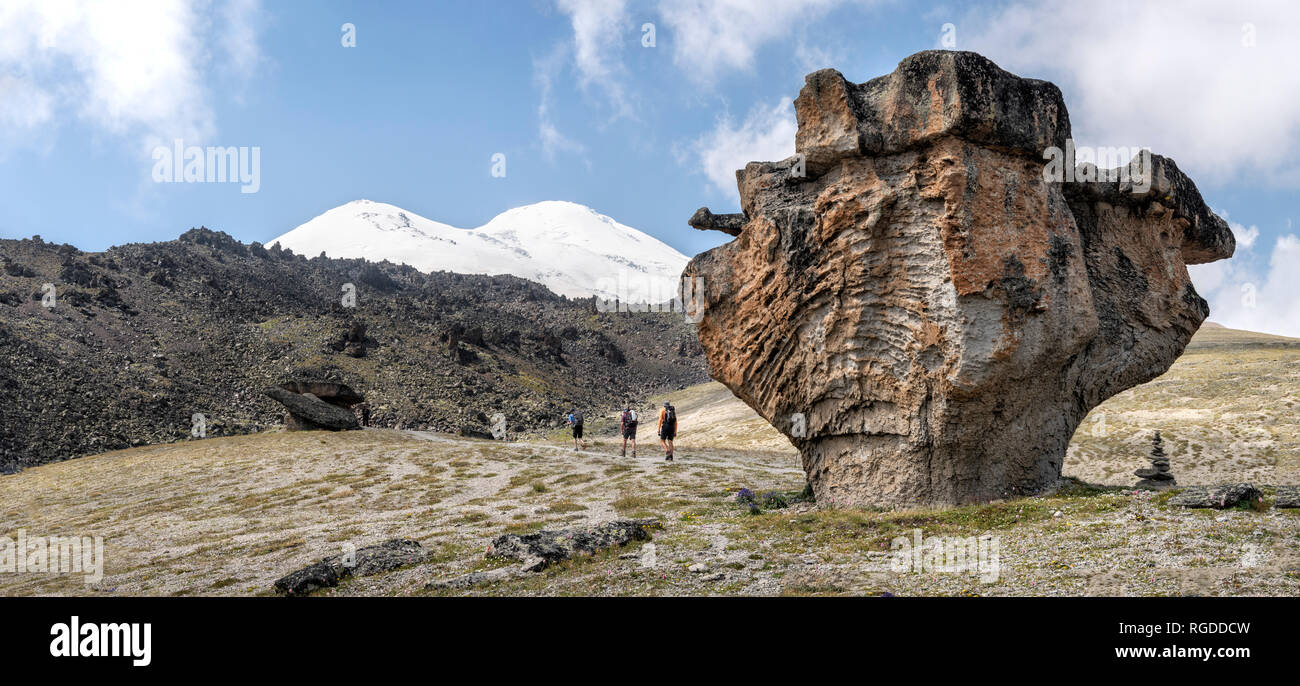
<point x="228" y="516"/>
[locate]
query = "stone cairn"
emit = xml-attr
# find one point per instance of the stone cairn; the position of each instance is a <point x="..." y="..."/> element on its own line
<point x="1157" y="477"/>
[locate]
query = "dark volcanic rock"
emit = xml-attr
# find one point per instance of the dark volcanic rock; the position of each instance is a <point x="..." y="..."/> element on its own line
<point x="309" y="412"/>
<point x="125" y="359"/>
<point x="472" y="579"/>
<point x="925" y="312"/>
<point x="1287" y="497"/>
<point x="1217" y="497"/>
<point x="331" y="392"/>
<point x="467" y="431"/>
<point x="705" y="220"/>
<point x="374" y="559"/>
<point x="541" y="549"/>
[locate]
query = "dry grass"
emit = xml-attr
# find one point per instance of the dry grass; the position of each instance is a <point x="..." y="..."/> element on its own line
<point x="192" y="517"/>
<point x="1227" y="410"/>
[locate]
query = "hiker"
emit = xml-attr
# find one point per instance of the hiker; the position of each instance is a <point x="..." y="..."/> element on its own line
<point x="627" y="422"/>
<point x="667" y="429"/>
<point x="575" y="421"/>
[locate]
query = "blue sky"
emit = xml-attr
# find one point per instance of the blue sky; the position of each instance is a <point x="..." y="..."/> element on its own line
<point x="583" y="111"/>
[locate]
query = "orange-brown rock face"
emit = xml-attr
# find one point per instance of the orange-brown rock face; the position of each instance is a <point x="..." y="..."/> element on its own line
<point x="922" y="313"/>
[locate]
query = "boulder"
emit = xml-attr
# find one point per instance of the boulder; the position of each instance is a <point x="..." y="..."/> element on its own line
<point x="329" y="391"/>
<point x="1287" y="497"/>
<point x="307" y="412"/>
<point x="539" y="550"/>
<point x="472" y="579"/>
<point x="925" y="312"/>
<point x="1217" y="497"/>
<point x="469" y="431"/>
<point x="374" y="559"/>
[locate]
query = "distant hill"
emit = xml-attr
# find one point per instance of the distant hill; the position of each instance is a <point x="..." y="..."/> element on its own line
<point x="567" y="247"/>
<point x="1228" y="409"/>
<point x="144" y="336"/>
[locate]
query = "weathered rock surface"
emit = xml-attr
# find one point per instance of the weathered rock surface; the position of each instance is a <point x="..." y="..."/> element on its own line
<point x="331" y="392"/>
<point x="1287" y="497"/>
<point x="374" y="559"/>
<point x="1217" y="497"/>
<point x="468" y="431"/>
<point x="539" y="550"/>
<point x="922" y="313"/>
<point x="307" y="412"/>
<point x="473" y="579"/>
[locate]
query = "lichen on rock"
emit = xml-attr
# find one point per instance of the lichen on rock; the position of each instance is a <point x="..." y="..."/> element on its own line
<point x="939" y="315"/>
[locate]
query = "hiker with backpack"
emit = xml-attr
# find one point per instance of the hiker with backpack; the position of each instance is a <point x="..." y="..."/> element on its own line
<point x="667" y="429"/>
<point x="627" y="425"/>
<point x="575" y="421"/>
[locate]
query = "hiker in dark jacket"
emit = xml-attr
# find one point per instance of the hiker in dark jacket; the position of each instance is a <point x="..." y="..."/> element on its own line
<point x="575" y="421"/>
<point x="627" y="426"/>
<point x="667" y="429"/>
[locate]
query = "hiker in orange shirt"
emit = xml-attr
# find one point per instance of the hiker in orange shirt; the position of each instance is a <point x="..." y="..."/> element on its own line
<point x="667" y="429"/>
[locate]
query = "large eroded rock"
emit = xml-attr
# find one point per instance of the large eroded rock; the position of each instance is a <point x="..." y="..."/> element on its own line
<point x="306" y="412"/>
<point x="922" y="313"/>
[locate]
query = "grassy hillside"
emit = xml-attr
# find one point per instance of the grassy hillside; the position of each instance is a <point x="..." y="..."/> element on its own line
<point x="1228" y="410"/>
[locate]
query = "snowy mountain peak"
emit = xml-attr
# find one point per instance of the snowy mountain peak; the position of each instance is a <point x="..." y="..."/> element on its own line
<point x="570" y="248"/>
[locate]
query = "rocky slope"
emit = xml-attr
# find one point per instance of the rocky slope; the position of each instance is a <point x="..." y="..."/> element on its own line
<point x="921" y="308"/>
<point x="142" y="337"/>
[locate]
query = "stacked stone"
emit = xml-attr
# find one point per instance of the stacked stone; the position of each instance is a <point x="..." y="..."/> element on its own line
<point x="1157" y="477"/>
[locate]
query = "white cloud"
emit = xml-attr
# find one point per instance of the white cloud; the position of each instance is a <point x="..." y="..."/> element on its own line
<point x="126" y="68"/>
<point x="1245" y="235"/>
<point x="1241" y="297"/>
<point x="544" y="72"/>
<point x="239" y="38"/>
<point x="23" y="105"/>
<point x="711" y="37"/>
<point x="600" y="30"/>
<point x="811" y="58"/>
<point x="708" y="38"/>
<point x="767" y="134"/>
<point x="1181" y="78"/>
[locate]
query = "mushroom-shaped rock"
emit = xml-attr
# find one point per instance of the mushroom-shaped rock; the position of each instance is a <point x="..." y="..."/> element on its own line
<point x="922" y="306"/>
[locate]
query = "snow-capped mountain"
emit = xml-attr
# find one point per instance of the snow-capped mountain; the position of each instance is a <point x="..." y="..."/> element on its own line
<point x="569" y="248"/>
